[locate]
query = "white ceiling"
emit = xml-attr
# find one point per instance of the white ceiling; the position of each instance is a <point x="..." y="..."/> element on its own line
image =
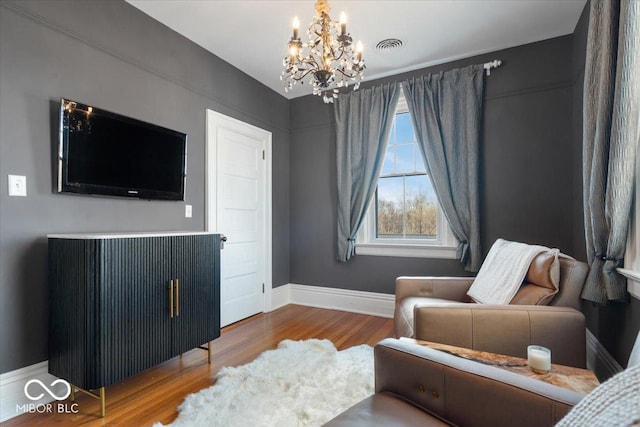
<point x="253" y="35"/>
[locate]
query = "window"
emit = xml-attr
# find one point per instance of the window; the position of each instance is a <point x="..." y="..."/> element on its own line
<point x="405" y="218"/>
<point x="632" y="255"/>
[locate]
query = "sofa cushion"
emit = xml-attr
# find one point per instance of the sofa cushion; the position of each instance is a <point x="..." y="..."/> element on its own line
<point x="530" y="294"/>
<point x="541" y="282"/>
<point x="544" y="271"/>
<point x="572" y="276"/>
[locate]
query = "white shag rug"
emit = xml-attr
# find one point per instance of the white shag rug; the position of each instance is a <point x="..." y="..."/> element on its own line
<point x="301" y="383"/>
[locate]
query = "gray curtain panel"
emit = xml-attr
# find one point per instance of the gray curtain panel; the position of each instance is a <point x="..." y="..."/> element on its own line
<point x="446" y="109"/>
<point x="363" y="122"/>
<point x="610" y="141"/>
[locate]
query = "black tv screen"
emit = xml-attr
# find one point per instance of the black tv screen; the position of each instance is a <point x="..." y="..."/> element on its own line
<point x="104" y="153"/>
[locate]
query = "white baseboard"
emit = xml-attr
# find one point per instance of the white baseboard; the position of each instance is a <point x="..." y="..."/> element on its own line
<point x="599" y="359"/>
<point x="372" y="303"/>
<point x="12" y="389"/>
<point x="280" y="296"/>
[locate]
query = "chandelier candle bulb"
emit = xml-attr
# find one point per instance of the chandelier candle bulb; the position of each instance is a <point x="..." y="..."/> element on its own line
<point x="296" y="27"/>
<point x="539" y="359"/>
<point x="343" y="23"/>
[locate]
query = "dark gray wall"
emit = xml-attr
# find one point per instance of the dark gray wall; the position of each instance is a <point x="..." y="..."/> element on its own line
<point x="526" y="178"/>
<point x="107" y="54"/>
<point x="616" y="325"/>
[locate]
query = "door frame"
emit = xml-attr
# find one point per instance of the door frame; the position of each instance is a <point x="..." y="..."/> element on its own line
<point x="213" y="121"/>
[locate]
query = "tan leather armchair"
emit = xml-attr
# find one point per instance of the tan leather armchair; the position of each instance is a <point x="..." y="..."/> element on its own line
<point x="437" y="309"/>
<point x="419" y="386"/>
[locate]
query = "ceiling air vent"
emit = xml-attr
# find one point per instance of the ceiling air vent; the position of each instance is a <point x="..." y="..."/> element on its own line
<point x="388" y="45"/>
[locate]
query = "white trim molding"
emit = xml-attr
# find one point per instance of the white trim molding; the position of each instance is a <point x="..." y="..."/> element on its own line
<point x="14" y="402"/>
<point x="372" y="303"/>
<point x="408" y="251"/>
<point x="633" y="281"/>
<point x="631" y="268"/>
<point x="280" y="297"/>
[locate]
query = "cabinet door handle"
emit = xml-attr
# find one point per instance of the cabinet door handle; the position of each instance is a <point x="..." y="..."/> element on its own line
<point x="171" y="299"/>
<point x="177" y="297"/>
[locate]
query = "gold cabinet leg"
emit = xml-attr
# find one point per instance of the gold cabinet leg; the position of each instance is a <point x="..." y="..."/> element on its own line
<point x="101" y="396"/>
<point x="102" y="403"/>
<point x="208" y="348"/>
<point x="72" y="395"/>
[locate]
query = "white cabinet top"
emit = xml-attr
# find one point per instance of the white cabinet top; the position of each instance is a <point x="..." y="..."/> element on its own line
<point x="87" y="236"/>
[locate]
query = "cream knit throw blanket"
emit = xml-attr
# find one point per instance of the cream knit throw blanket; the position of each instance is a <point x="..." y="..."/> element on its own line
<point x="614" y="403"/>
<point x="504" y="269"/>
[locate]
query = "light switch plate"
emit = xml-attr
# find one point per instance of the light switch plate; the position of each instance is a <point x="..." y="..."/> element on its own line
<point x="187" y="211"/>
<point x="17" y="185"/>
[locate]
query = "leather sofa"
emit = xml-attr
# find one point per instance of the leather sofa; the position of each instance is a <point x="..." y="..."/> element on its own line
<point x="420" y="386"/>
<point x="437" y="309"/>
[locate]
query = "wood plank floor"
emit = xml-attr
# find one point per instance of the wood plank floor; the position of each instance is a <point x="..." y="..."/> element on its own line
<point x="155" y="394"/>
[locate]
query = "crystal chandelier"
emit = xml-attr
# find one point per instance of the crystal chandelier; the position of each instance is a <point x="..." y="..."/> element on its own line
<point x="329" y="56"/>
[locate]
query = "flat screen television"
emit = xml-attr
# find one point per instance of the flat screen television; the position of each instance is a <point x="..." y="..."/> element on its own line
<point x="104" y="153"/>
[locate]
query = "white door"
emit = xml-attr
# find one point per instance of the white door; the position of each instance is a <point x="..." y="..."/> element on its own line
<point x="238" y="206"/>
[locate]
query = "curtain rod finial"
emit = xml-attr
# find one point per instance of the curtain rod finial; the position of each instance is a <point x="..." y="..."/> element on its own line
<point x="492" y="64"/>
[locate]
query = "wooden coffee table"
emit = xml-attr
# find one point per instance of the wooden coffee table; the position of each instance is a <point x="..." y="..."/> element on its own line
<point x="576" y="379"/>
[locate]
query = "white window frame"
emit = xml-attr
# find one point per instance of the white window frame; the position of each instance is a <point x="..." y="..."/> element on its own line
<point x="367" y="242"/>
<point x="631" y="268"/>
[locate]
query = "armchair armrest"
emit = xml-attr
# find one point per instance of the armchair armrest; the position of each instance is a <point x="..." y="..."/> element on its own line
<point x="506" y="329"/>
<point x="449" y="288"/>
<point x="464" y="392"/>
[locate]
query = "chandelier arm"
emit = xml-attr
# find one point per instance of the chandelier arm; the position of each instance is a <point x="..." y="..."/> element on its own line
<point x="345" y="74"/>
<point x="338" y="58"/>
<point x="310" y="61"/>
<point x="306" y="64"/>
<point x="306" y="73"/>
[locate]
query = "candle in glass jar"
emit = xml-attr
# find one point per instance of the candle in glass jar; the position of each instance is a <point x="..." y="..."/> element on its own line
<point x="539" y="359"/>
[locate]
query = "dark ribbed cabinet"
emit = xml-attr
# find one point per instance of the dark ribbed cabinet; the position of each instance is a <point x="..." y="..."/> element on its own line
<point x="121" y="304"/>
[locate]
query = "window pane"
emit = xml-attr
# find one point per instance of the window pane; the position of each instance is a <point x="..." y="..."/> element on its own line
<point x="420" y="208"/>
<point x="405" y="158"/>
<point x="420" y="167"/>
<point x="406" y="205"/>
<point x="390" y="207"/>
<point x="388" y="166"/>
<point x="404" y="128"/>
